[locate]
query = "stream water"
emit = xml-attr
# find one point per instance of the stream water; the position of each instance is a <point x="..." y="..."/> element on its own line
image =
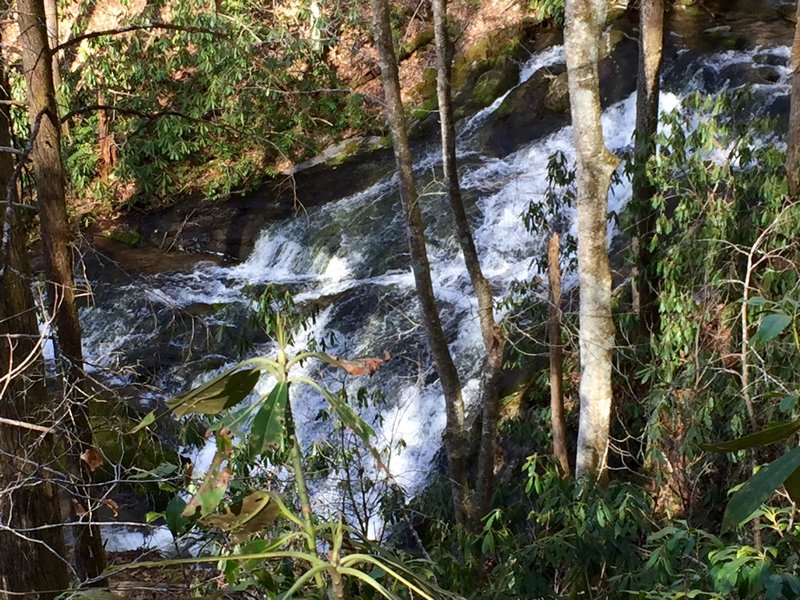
<point x="349" y="257"/>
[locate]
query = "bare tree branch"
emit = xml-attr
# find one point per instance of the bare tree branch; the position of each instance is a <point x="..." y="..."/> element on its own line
<point x="120" y="30"/>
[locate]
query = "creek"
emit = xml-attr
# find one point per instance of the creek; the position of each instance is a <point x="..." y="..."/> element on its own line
<point x="349" y="259"/>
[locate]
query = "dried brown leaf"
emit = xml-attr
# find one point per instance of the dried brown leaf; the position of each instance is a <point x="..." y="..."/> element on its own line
<point x="362" y="366"/>
<point x="93" y="458"/>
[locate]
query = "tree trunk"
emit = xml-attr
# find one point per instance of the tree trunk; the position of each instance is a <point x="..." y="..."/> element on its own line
<point x="595" y="166"/>
<point x="651" y="43"/>
<point x="51" y="18"/>
<point x="30" y="561"/>
<point x="793" y="149"/>
<point x="57" y="253"/>
<point x="105" y="140"/>
<point x="454" y="436"/>
<point x="556" y="358"/>
<point x="493" y="339"/>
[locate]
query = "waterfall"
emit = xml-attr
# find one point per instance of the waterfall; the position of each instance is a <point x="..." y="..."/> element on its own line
<point x="350" y="256"/>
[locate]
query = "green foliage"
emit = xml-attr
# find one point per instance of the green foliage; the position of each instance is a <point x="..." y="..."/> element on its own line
<point x="548" y="9"/>
<point x="210" y="108"/>
<point x="759" y="488"/>
<point x="255" y="528"/>
<point x="552" y="539"/>
<point x="721" y="211"/>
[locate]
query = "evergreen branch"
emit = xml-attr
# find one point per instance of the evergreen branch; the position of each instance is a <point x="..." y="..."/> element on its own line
<point x="152" y="116"/>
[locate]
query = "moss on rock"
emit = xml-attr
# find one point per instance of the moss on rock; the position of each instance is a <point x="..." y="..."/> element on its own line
<point x="557" y="96"/>
<point x="422" y="39"/>
<point x="493" y="84"/>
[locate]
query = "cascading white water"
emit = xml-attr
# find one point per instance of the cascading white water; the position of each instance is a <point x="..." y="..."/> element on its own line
<point x="351" y="256"/>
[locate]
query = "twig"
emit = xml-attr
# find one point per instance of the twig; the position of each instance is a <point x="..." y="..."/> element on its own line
<point x="120" y="30"/>
<point x="24" y="425"/>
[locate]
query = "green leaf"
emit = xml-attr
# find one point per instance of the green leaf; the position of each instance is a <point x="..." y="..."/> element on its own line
<point x="148" y="419"/>
<point x="269" y="427"/>
<point x="249" y="515"/>
<point x="211" y="491"/>
<point x="219" y="394"/>
<point x="787" y="404"/>
<point x="771" y="327"/>
<point x="173" y="515"/>
<point x="792" y="485"/>
<point x="347" y="415"/>
<point x="759" y="488"/>
<point x="770" y="435"/>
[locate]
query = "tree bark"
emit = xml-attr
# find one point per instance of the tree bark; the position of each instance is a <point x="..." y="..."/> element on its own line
<point x="51" y="18"/>
<point x="793" y="146"/>
<point x="651" y="43"/>
<point x="30" y="561"/>
<point x="556" y="358"/>
<point x="57" y="253"/>
<point x="585" y="20"/>
<point x="493" y="339"/>
<point x="454" y="436"/>
<point x="105" y="140"/>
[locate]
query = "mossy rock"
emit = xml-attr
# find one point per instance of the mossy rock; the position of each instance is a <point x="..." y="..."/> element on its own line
<point x="146" y="450"/>
<point x="350" y="149"/>
<point x="788" y="12"/>
<point x="494" y="84"/>
<point x="129" y="237"/>
<point x="422" y="39"/>
<point x="557" y="97"/>
<point x="425" y="91"/>
<point x="617" y="9"/>
<point x="495" y="51"/>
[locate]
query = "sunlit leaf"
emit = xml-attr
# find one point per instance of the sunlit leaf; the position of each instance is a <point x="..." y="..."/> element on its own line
<point x="759" y="488"/>
<point x="148" y="419"/>
<point x="211" y="491"/>
<point x="269" y="424"/>
<point x="92" y="457"/>
<point x="219" y="394"/>
<point x="249" y="515"/>
<point x="357" y="366"/>
<point x="770" y="435"/>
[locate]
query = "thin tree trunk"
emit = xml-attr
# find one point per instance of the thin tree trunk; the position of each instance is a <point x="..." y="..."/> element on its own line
<point x="57" y="252"/>
<point x="493" y="339"/>
<point x="651" y="43"/>
<point x="105" y="139"/>
<point x="585" y="20"/>
<point x="454" y="437"/>
<point x="51" y="18"/>
<point x="30" y="561"/>
<point x="556" y="358"/>
<point x="793" y="147"/>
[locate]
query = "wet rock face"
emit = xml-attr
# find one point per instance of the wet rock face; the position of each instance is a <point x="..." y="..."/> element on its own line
<point x="176" y="237"/>
<point x="523" y="115"/>
<point x="541" y="105"/>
